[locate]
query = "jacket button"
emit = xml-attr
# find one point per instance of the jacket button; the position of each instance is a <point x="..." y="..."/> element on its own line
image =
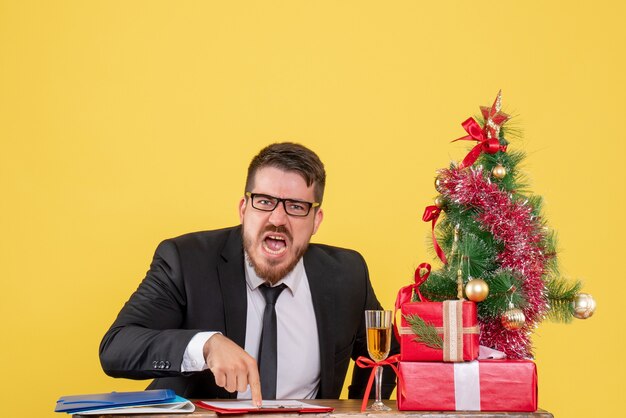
<point x="167" y="364"/>
<point x="155" y="364"/>
<point x="161" y="364"/>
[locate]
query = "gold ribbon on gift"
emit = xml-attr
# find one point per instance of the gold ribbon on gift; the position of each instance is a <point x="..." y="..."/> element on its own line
<point x="452" y="330"/>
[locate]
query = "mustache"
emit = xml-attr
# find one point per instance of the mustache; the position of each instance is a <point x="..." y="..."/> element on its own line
<point x="278" y="229"/>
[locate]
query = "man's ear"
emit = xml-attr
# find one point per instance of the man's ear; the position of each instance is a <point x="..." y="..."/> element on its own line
<point x="242" y="208"/>
<point x="319" y="216"/>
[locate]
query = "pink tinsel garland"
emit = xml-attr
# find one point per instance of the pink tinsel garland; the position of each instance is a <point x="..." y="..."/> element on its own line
<point x="513" y="224"/>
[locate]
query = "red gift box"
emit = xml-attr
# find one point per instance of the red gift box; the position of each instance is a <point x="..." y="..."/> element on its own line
<point x="456" y="323"/>
<point x="486" y="385"/>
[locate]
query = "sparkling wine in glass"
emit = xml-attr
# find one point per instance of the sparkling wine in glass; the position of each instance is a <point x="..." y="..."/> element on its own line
<point x="378" y="324"/>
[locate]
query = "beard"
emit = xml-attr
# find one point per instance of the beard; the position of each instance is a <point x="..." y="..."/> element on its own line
<point x="270" y="270"/>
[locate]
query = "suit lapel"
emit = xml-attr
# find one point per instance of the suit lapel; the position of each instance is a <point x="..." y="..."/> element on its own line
<point x="232" y="279"/>
<point x="318" y="268"/>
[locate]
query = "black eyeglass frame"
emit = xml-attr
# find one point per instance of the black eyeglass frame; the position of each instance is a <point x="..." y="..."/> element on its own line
<point x="278" y="200"/>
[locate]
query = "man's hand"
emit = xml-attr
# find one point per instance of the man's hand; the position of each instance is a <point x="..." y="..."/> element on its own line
<point x="233" y="368"/>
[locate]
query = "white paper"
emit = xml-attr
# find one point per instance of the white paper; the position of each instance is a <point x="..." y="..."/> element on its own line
<point x="280" y="404"/>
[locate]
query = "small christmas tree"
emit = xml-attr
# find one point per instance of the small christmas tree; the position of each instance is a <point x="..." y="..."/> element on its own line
<point x="495" y="245"/>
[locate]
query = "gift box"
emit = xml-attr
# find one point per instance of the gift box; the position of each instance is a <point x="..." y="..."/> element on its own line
<point x="454" y="322"/>
<point x="485" y="385"/>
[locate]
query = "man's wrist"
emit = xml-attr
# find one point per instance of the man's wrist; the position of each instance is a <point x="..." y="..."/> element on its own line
<point x="194" y="359"/>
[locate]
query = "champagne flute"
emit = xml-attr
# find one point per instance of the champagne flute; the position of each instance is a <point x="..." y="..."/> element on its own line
<point x="378" y="324"/>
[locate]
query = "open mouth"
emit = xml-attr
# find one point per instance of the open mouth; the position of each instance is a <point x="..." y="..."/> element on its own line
<point x="274" y="244"/>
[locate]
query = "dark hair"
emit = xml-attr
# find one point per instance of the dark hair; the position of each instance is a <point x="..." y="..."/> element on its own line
<point x="289" y="156"/>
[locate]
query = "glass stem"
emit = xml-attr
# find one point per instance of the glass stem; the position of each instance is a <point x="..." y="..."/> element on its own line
<point x="379" y="383"/>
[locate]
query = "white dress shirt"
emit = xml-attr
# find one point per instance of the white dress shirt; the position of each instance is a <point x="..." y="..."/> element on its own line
<point x="298" y="369"/>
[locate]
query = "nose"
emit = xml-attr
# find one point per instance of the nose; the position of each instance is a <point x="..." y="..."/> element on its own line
<point x="278" y="217"/>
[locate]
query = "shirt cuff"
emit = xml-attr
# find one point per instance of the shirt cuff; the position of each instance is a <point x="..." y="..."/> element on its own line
<point x="193" y="359"/>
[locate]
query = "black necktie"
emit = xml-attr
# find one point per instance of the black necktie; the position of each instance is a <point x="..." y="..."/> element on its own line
<point x="267" y="347"/>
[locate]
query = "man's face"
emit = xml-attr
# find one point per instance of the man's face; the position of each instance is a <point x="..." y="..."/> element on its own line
<point x="275" y="241"/>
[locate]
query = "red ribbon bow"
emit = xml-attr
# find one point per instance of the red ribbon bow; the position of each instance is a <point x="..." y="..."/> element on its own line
<point x="364" y="362"/>
<point x="405" y="294"/>
<point x="431" y="213"/>
<point x="477" y="133"/>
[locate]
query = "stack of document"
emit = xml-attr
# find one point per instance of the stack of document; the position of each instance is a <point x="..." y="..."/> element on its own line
<point x="144" y="402"/>
<point x="246" y="407"/>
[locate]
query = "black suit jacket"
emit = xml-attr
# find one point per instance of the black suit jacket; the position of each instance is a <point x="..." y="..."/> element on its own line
<point x="196" y="282"/>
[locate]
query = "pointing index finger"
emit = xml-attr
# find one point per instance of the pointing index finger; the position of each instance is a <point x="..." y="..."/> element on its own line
<point x="255" y="388"/>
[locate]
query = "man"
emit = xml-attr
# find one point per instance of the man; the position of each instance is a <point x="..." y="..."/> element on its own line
<point x="196" y="321"/>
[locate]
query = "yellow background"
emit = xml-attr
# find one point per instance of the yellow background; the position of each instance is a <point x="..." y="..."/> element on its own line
<point x="126" y="122"/>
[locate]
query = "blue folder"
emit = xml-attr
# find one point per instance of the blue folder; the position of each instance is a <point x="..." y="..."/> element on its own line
<point x="81" y="403"/>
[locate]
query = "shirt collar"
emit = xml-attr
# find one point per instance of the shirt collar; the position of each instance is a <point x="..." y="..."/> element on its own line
<point x="292" y="280"/>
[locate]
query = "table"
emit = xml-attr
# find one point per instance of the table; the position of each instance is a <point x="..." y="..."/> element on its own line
<point x="346" y="408"/>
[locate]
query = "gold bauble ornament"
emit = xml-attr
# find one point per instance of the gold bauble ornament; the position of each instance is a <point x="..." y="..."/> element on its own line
<point x="499" y="171"/>
<point x="439" y="201"/>
<point x="583" y="305"/>
<point x="513" y="318"/>
<point x="438" y="184"/>
<point x="477" y="290"/>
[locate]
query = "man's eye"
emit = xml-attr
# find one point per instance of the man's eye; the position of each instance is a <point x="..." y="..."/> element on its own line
<point x="297" y="207"/>
<point x="264" y="202"/>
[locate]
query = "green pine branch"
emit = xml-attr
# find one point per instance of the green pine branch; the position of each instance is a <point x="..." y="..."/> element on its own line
<point x="561" y="294"/>
<point x="504" y="287"/>
<point x="514" y="181"/>
<point x="478" y="254"/>
<point x="441" y="285"/>
<point x="550" y="252"/>
<point x="425" y="333"/>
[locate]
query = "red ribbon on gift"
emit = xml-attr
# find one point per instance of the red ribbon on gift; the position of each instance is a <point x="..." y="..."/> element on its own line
<point x="485" y="144"/>
<point x="431" y="213"/>
<point x="364" y="362"/>
<point x="405" y="294"/>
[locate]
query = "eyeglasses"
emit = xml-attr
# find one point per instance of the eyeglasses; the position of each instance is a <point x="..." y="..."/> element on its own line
<point x="292" y="207"/>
